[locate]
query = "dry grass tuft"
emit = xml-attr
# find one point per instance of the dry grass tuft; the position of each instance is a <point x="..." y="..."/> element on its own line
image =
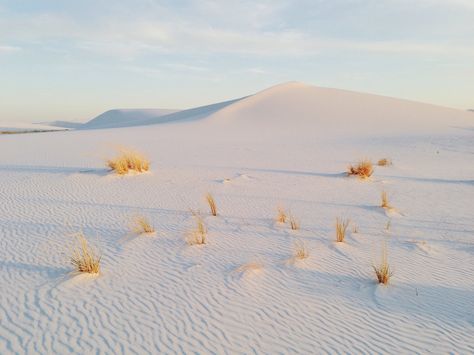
<point x="384" y="198"/>
<point x="341" y="227"/>
<point x="384" y="162"/>
<point x="198" y="235"/>
<point x="300" y="250"/>
<point x="84" y="258"/>
<point x="212" y="204"/>
<point x="142" y="226"/>
<point x="294" y="223"/>
<point x="128" y="160"/>
<point x="383" y="271"/>
<point x="281" y="217"/>
<point x="363" y="169"/>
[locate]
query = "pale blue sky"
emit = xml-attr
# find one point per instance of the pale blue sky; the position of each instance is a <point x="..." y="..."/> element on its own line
<point x="71" y="60"/>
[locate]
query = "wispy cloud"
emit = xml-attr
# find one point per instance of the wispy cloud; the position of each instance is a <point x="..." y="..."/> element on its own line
<point x="167" y="31"/>
<point x="9" y="49"/>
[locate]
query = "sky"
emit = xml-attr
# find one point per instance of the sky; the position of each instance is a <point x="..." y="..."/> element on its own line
<point x="72" y="60"/>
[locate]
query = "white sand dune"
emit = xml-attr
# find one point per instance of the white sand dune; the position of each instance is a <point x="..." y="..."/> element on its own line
<point x="143" y="117"/>
<point x="125" y="118"/>
<point x="297" y="106"/>
<point x="286" y="146"/>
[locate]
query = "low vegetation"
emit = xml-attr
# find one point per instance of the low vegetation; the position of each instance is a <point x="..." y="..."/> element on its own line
<point x="384" y="198"/>
<point x="341" y="228"/>
<point x="212" y="204"/>
<point x="141" y="225"/>
<point x="363" y="169"/>
<point x="384" y="162"/>
<point x="294" y="223"/>
<point x="198" y="235"/>
<point x="281" y="216"/>
<point x="383" y="271"/>
<point x="127" y="161"/>
<point x="84" y="258"/>
<point x="300" y="250"/>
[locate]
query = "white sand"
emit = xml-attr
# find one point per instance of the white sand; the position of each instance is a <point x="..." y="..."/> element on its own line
<point x="288" y="146"/>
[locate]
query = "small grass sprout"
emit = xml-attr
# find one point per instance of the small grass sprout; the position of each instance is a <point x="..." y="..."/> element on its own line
<point x="212" y="204"/>
<point x="383" y="272"/>
<point x="198" y="235"/>
<point x="341" y="227"/>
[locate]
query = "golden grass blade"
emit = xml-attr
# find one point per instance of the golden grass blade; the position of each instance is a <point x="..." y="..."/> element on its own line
<point x="212" y="204"/>
<point x="384" y="198"/>
<point x="198" y="235"/>
<point x="294" y="223"/>
<point x="341" y="227"/>
<point x="281" y="216"/>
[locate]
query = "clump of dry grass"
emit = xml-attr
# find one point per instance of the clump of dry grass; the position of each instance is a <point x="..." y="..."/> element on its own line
<point x="281" y="216"/>
<point x="198" y="235"/>
<point x="383" y="271"/>
<point x="294" y="223"/>
<point x="212" y="204"/>
<point x="363" y="169"/>
<point x="84" y="258"/>
<point x="384" y="162"/>
<point x="341" y="227"/>
<point x="384" y="198"/>
<point x="128" y="160"/>
<point x="142" y="226"/>
<point x="300" y="250"/>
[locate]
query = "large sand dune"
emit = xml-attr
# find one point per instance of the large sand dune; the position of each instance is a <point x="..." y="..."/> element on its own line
<point x="288" y="146"/>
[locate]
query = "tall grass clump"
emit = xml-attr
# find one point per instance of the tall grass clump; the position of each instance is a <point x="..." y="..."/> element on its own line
<point x="341" y="227"/>
<point x="85" y="259"/>
<point x="383" y="272"/>
<point x="212" y="204"/>
<point x="363" y="169"/>
<point x="198" y="235"/>
<point x="141" y="225"/>
<point x="281" y="216"/>
<point x="128" y="160"/>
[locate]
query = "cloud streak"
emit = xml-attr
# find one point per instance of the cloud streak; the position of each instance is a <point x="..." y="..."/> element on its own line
<point x="131" y="37"/>
<point x="9" y="49"/>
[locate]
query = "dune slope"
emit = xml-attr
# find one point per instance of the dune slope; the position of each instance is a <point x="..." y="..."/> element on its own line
<point x="243" y="291"/>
